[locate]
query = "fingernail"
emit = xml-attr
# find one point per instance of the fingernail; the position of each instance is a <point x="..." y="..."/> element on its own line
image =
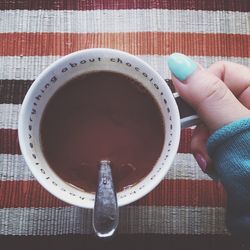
<point x="201" y="162"/>
<point x="181" y="66"/>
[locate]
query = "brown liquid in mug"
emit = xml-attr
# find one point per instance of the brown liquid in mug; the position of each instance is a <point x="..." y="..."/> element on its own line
<point x="97" y="116"/>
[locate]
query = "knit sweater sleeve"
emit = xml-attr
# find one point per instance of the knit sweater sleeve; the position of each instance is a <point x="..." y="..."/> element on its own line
<point x="229" y="148"/>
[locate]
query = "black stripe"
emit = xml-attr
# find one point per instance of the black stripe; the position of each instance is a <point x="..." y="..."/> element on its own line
<point x="128" y="242"/>
<point x="229" y="5"/>
<point x="13" y="91"/>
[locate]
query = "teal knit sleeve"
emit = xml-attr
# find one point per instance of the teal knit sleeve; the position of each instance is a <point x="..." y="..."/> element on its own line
<point x="229" y="148"/>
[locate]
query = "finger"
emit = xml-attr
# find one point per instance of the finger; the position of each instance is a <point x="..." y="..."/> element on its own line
<point x="209" y="96"/>
<point x="236" y="77"/>
<point x="198" y="147"/>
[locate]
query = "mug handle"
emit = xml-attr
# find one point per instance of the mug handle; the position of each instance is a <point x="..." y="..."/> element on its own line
<point x="188" y="115"/>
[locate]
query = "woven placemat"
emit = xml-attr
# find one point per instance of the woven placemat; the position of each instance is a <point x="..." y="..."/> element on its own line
<point x="34" y="34"/>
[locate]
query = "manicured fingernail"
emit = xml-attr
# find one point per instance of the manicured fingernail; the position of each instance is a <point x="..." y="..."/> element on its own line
<point x="201" y="162"/>
<point x="181" y="66"/>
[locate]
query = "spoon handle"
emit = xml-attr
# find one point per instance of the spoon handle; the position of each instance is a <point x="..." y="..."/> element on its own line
<point x="106" y="212"/>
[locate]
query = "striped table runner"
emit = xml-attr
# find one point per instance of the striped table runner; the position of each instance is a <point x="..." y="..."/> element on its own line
<point x="34" y="34"/>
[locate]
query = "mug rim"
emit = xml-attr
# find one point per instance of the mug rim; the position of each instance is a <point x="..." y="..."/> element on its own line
<point x="23" y="142"/>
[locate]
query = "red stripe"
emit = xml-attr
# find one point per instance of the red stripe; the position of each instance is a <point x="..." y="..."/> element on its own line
<point x="197" y="193"/>
<point x="9" y="141"/>
<point x="26" y="194"/>
<point x="169" y="193"/>
<point x="139" y="43"/>
<point x="185" y="140"/>
<point x="242" y="5"/>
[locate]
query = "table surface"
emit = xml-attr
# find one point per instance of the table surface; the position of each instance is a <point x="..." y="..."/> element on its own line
<point x="187" y="206"/>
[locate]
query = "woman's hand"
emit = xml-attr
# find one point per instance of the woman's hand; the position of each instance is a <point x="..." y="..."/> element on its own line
<point x="220" y="95"/>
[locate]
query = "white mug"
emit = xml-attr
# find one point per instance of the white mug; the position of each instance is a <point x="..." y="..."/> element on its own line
<point x="81" y="62"/>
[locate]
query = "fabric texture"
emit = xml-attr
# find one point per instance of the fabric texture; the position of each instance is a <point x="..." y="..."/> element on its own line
<point x="35" y="33"/>
<point x="229" y="147"/>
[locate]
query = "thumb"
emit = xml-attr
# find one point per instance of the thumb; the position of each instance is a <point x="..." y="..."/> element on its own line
<point x="205" y="92"/>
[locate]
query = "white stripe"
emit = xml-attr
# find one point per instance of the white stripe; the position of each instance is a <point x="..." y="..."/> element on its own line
<point x="153" y="20"/>
<point x="9" y="115"/>
<point x="185" y="167"/>
<point x="29" y="67"/>
<point x="13" y="167"/>
<point x="142" y="219"/>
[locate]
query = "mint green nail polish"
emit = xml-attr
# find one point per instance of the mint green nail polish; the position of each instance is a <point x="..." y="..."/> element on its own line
<point x="181" y="66"/>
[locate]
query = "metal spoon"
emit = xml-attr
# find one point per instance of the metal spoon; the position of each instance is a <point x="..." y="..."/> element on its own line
<point x="106" y="212"/>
